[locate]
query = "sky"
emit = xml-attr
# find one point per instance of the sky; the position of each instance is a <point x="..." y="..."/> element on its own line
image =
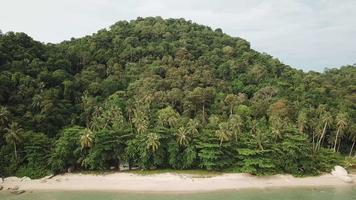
<point x="305" y="34"/>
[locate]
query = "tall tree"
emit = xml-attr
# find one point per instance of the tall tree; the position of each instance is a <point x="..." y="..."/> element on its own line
<point x="326" y="120"/>
<point x="4" y="115"/>
<point x="231" y="101"/>
<point x="153" y="141"/>
<point x="202" y="97"/>
<point x="192" y="127"/>
<point x="302" y="121"/>
<point x="13" y="135"/>
<point x="182" y="136"/>
<point x="223" y="133"/>
<point x="352" y="137"/>
<point x="140" y="119"/>
<point x="235" y="125"/>
<point x="341" y="124"/>
<point x="86" y="139"/>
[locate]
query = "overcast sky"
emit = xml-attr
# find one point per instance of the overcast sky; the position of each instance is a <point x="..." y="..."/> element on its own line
<point x="306" y="34"/>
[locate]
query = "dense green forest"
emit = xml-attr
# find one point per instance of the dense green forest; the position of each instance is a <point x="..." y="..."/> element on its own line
<point x="167" y="93"/>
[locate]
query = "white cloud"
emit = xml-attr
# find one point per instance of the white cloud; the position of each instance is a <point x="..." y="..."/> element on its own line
<point x="306" y="34"/>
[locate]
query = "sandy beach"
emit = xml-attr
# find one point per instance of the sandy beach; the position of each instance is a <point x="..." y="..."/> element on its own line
<point x="168" y="182"/>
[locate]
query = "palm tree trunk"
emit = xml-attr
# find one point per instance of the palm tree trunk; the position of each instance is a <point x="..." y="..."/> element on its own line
<point x="313" y="140"/>
<point x="321" y="137"/>
<point x="337" y="135"/>
<point x="260" y="145"/>
<point x="203" y="113"/>
<point x="301" y="129"/>
<point x="15" y="150"/>
<point x="118" y="165"/>
<point x="231" y="107"/>
<point x="352" y="148"/>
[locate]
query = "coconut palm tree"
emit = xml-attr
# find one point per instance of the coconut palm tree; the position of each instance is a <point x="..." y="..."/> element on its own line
<point x="257" y="134"/>
<point x="231" y="101"/>
<point x="223" y="133"/>
<point x="140" y="121"/>
<point x="96" y="121"/>
<point x="326" y="120"/>
<point x="182" y="136"/>
<point x="153" y="141"/>
<point x="14" y="135"/>
<point x="235" y="124"/>
<point x="316" y="129"/>
<point x="4" y="115"/>
<point x="277" y="126"/>
<point x="302" y="121"/>
<point x="192" y="127"/>
<point x="341" y="123"/>
<point x="259" y="138"/>
<point x="36" y="101"/>
<point x="86" y="139"/>
<point x="352" y="137"/>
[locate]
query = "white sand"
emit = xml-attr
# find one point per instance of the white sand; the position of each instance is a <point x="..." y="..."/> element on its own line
<point x="170" y="182"/>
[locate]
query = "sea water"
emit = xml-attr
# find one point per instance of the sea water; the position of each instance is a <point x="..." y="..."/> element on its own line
<point x="317" y="193"/>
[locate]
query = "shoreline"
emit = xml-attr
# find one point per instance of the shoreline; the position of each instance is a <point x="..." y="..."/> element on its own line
<point x="170" y="182"/>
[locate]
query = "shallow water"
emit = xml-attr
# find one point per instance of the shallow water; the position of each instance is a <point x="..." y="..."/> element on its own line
<point x="330" y="193"/>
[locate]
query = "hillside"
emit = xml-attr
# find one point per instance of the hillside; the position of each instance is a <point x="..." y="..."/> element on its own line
<point x="167" y="94"/>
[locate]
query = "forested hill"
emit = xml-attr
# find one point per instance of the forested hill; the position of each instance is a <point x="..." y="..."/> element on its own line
<point x="167" y="94"/>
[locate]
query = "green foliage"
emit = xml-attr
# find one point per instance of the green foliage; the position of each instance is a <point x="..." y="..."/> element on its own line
<point x="325" y="160"/>
<point x="32" y="171"/>
<point x="9" y="164"/>
<point x="107" y="150"/>
<point x="37" y="148"/>
<point x="156" y="93"/>
<point x="257" y="162"/>
<point x="237" y="86"/>
<point x="66" y="151"/>
<point x="212" y="154"/>
<point x="181" y="157"/>
<point x="294" y="155"/>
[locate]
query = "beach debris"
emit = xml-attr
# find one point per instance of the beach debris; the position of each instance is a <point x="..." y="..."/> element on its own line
<point x="1" y="187"/>
<point x="48" y="177"/>
<point x="341" y="173"/>
<point x="70" y="169"/>
<point x="25" y="178"/>
<point x="17" y="192"/>
<point x="44" y="179"/>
